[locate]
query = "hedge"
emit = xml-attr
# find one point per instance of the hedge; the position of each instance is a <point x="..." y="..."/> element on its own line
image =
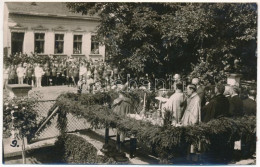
<point x="166" y="141"/>
<point x="76" y="150"/>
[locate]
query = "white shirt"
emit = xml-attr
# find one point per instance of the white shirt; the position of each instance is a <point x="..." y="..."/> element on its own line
<point x="38" y="71"/>
<point x="20" y="72"/>
<point x="82" y="70"/>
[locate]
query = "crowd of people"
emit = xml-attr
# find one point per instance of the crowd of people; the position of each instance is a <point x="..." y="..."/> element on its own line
<point x="71" y="72"/>
<point x="199" y="103"/>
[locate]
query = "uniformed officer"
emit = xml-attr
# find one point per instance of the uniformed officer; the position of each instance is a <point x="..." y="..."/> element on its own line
<point x="59" y="74"/>
<point x="12" y="75"/>
<point x="29" y="73"/>
<point x="69" y="74"/>
<point x="75" y="74"/>
<point x="47" y="75"/>
<point x="54" y="74"/>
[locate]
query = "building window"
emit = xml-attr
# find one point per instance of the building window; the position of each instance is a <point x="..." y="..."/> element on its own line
<point x="94" y="45"/>
<point x="59" y="43"/>
<point x="77" y="43"/>
<point x="17" y="42"/>
<point x="39" y="42"/>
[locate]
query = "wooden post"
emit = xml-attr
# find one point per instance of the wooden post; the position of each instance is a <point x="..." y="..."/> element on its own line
<point x="106" y="135"/>
<point x="23" y="151"/>
<point x="133" y="144"/>
<point x="144" y="101"/>
<point x="118" y="143"/>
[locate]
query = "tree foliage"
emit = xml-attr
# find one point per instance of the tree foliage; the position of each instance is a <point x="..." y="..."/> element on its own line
<point x="162" y="38"/>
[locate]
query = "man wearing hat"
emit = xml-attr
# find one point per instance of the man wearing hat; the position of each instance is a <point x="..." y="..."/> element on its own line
<point x="236" y="104"/>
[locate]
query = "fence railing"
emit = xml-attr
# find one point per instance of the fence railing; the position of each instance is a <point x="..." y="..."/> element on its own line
<point x="51" y="131"/>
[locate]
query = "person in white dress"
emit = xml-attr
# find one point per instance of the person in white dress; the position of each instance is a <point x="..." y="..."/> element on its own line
<point x="20" y="73"/>
<point x="38" y="72"/>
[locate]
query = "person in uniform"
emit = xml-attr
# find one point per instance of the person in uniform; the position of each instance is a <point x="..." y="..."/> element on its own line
<point x="29" y="73"/>
<point x="47" y="75"/>
<point x="69" y="74"/>
<point x="59" y="74"/>
<point x="75" y="74"/>
<point x="63" y="74"/>
<point x="12" y="75"/>
<point x="54" y="74"/>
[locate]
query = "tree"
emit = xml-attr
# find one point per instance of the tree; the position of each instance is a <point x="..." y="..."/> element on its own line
<point x="163" y="38"/>
<point x="20" y="114"/>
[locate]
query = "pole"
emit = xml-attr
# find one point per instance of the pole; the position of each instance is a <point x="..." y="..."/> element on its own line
<point x="106" y="135"/>
<point x="23" y="151"/>
<point x="56" y="109"/>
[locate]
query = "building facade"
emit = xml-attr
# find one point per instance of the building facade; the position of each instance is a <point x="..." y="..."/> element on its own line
<point x="49" y="28"/>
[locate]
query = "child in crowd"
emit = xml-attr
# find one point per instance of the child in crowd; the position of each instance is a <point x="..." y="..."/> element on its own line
<point x="20" y="73"/>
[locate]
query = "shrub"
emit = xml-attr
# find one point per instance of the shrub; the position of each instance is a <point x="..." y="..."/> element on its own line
<point x="75" y="149"/>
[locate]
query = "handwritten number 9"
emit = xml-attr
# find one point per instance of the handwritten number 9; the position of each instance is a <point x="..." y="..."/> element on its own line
<point x="14" y="143"/>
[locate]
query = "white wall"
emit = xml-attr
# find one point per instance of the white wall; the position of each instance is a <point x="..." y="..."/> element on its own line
<point x="28" y="45"/>
<point x="68" y="43"/>
<point x="5" y="30"/>
<point x="50" y="23"/>
<point x="87" y="44"/>
<point x="49" y="42"/>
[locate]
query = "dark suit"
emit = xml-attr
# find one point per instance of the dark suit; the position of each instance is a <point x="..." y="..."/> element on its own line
<point x="200" y="91"/>
<point x="248" y="142"/>
<point x="217" y="107"/>
<point x="236" y="106"/>
<point x="249" y="106"/>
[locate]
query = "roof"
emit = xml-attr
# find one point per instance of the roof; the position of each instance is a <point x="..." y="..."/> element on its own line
<point x="49" y="9"/>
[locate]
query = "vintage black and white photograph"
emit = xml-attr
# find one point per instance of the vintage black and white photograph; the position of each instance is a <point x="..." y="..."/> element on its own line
<point x="129" y="83"/>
